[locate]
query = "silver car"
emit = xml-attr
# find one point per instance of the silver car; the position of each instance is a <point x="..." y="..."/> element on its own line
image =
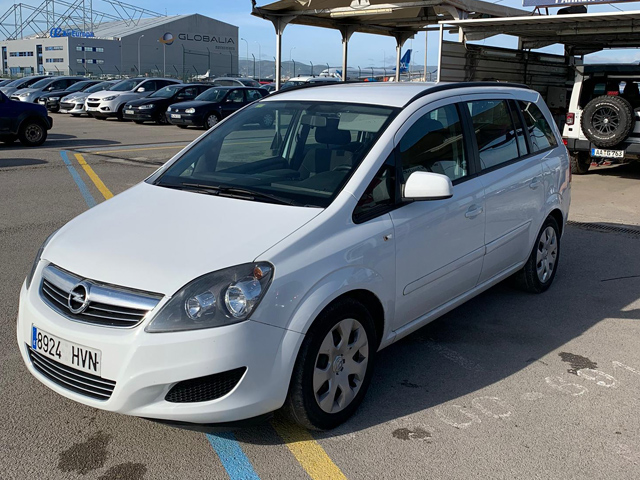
<point x="46" y="85"/>
<point x="74" y="103"/>
<point x="20" y="83"/>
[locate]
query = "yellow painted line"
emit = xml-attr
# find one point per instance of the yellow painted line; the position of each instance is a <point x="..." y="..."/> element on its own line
<point x="115" y="150"/>
<point x="106" y="193"/>
<point x="308" y="452"/>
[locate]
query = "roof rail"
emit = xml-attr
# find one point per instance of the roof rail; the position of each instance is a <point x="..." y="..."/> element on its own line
<point x="451" y="86"/>
<point x="313" y="84"/>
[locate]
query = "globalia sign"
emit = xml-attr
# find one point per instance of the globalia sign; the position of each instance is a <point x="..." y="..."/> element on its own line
<point x="167" y="39"/>
<point x="59" y="32"/>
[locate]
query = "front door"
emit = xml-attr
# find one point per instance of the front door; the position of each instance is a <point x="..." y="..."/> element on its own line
<point x="439" y="243"/>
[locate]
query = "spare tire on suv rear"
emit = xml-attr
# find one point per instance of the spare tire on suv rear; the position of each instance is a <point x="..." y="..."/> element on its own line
<point x="607" y="120"/>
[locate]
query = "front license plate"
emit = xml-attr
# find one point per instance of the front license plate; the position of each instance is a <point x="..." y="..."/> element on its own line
<point x="129" y="112"/>
<point x="175" y="115"/>
<point x="601" y="153"/>
<point x="92" y="109"/>
<point x="67" y="353"/>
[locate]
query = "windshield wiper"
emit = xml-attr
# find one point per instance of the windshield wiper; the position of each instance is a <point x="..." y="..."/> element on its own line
<point x="239" y="191"/>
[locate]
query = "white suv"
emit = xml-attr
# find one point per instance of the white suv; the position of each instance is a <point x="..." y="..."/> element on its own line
<point x="602" y="122"/>
<point x="274" y="262"/>
<point x="110" y="103"/>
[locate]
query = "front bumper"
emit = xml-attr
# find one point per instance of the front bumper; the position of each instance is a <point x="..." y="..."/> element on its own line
<point x="140" y="115"/>
<point x="631" y="149"/>
<point x="102" y="109"/>
<point x="49" y="104"/>
<point x="185" y="119"/>
<point x="72" y="107"/>
<point x="145" y="366"/>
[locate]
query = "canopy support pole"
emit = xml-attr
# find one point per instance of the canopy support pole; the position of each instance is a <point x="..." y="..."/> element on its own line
<point x="346" y="31"/>
<point x="401" y="38"/>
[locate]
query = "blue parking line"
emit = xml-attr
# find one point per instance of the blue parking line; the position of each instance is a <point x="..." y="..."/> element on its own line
<point x="235" y="462"/>
<point x="76" y="177"/>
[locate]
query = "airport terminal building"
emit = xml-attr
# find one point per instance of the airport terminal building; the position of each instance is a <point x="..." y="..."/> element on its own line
<point x="177" y="46"/>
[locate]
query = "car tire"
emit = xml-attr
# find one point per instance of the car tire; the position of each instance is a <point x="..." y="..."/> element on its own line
<point x="580" y="163"/>
<point x="120" y="113"/>
<point x="9" y="139"/>
<point x="54" y="109"/>
<point x="139" y="122"/>
<point x="99" y="118"/>
<point x="607" y="120"/>
<point x="182" y="126"/>
<point x="538" y="273"/>
<point x="314" y="403"/>
<point x="33" y="133"/>
<point x="211" y="121"/>
<point x="161" y="119"/>
<point x="77" y="115"/>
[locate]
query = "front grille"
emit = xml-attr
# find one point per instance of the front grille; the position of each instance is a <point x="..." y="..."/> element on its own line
<point x="93" y="104"/>
<point x="67" y="106"/>
<point x="103" y="304"/>
<point x="207" y="388"/>
<point x="75" y="380"/>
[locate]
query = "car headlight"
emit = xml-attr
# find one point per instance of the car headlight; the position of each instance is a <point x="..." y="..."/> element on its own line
<point x="109" y="98"/>
<point x="169" y="109"/>
<point x="190" y="110"/>
<point x="219" y="298"/>
<point x="37" y="259"/>
<point x="54" y="98"/>
<point x="22" y="95"/>
<point x="146" y="107"/>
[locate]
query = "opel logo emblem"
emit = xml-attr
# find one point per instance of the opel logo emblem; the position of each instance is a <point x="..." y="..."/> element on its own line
<point x="78" y="298"/>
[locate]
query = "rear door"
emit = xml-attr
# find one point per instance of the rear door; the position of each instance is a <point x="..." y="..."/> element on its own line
<point x="512" y="176"/>
<point x="439" y="243"/>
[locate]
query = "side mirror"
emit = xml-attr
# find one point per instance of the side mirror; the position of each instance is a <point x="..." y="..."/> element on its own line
<point x="427" y="186"/>
<point x="140" y="90"/>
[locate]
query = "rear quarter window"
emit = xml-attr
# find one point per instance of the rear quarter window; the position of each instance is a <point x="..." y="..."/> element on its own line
<point x="540" y="131"/>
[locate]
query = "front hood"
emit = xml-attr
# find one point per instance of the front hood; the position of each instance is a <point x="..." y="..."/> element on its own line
<point x="76" y="97"/>
<point x="192" y="104"/>
<point x="8" y="90"/>
<point x="147" y="101"/>
<point x="121" y="95"/>
<point x="27" y="90"/>
<point x="158" y="239"/>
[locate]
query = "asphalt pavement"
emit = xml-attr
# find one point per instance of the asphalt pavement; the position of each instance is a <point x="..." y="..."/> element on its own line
<point x="509" y="385"/>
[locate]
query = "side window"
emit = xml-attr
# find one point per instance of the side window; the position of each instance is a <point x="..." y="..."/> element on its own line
<point x="435" y="144"/>
<point x="190" y="92"/>
<point x="379" y="195"/>
<point x="520" y="130"/>
<point x="495" y="132"/>
<point x="540" y="131"/>
<point x="149" y="86"/>
<point x="235" y="96"/>
<point x="253" y="95"/>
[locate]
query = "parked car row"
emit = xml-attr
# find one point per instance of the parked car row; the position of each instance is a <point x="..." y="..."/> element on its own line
<point x="158" y="100"/>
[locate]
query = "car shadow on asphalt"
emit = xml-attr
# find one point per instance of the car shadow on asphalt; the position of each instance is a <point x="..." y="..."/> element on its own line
<point x="61" y="141"/>
<point x="20" y="162"/>
<point x="625" y="170"/>
<point x="494" y="336"/>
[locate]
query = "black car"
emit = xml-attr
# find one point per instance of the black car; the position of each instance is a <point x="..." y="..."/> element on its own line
<point x="28" y="122"/>
<point x="51" y="100"/>
<point x="154" y="107"/>
<point x="213" y="105"/>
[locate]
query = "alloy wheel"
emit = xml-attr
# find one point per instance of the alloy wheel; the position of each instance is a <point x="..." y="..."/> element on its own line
<point x="212" y="120"/>
<point x="547" y="254"/>
<point x="341" y="365"/>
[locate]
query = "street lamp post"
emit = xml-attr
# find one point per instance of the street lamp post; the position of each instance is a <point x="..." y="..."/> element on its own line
<point x="259" y="59"/>
<point x="290" y="50"/>
<point x="139" y="64"/>
<point x="245" y="41"/>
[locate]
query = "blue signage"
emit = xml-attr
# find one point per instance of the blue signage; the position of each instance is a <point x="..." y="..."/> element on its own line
<point x="59" y="32"/>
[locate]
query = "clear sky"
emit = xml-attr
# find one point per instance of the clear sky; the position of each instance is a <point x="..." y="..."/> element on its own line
<point x="322" y="46"/>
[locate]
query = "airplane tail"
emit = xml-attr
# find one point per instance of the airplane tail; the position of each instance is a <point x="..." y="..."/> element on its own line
<point x="404" y="61"/>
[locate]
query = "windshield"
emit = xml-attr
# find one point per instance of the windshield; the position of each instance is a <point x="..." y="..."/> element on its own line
<point x="292" y="83"/>
<point x="212" y="95"/>
<point x="23" y="82"/>
<point x="76" y="87"/>
<point x="42" y="83"/>
<point x="99" y="87"/>
<point x="249" y="82"/>
<point x="127" y="85"/>
<point x="300" y="153"/>
<point x="166" y="92"/>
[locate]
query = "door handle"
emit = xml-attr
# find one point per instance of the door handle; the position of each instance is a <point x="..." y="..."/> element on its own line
<point x="474" y="211"/>
<point x="535" y="183"/>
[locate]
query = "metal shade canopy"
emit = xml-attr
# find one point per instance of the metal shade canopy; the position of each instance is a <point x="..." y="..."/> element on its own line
<point x="401" y="20"/>
<point x="580" y="33"/>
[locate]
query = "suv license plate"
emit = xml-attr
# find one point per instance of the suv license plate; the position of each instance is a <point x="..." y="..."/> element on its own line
<point x="599" y="152"/>
<point x="67" y="353"/>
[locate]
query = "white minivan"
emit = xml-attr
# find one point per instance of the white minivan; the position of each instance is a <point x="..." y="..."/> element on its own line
<point x="264" y="267"/>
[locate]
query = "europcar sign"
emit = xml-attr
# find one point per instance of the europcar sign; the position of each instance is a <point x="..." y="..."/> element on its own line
<point x="59" y="32"/>
<point x="565" y="3"/>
